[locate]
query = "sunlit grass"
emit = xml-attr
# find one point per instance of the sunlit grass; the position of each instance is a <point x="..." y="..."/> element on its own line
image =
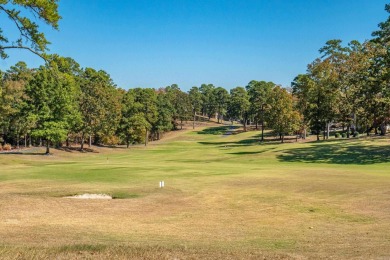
<point x="225" y="196"/>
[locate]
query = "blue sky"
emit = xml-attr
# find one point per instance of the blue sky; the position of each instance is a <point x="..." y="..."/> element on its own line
<point x="226" y="43"/>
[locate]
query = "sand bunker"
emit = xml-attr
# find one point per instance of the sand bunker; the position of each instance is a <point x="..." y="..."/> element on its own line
<point x="90" y="196"/>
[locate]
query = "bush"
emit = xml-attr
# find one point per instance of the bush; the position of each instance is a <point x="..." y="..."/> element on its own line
<point x="111" y="140"/>
<point x="7" y="147"/>
<point x="344" y="135"/>
<point x="337" y="135"/>
<point x="356" y="134"/>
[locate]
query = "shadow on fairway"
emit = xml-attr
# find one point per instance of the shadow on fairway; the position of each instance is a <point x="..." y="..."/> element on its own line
<point x="255" y="152"/>
<point x="220" y="130"/>
<point x="23" y="153"/>
<point x="254" y="140"/>
<point x="338" y="154"/>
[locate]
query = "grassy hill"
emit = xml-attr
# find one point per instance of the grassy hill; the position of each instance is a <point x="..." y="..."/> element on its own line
<point x="225" y="196"/>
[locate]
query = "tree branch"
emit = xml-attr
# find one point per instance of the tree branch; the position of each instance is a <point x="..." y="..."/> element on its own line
<point x="25" y="48"/>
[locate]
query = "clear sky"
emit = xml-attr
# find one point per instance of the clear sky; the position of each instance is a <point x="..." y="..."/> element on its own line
<point x="147" y="43"/>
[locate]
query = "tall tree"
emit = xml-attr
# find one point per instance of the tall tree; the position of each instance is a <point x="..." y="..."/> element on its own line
<point x="208" y="100"/>
<point x="15" y="105"/>
<point x="221" y="97"/>
<point x="302" y="88"/>
<point x="323" y="94"/>
<point x="99" y="105"/>
<point x="53" y="98"/>
<point x="196" y="103"/>
<point x="238" y="107"/>
<point x="259" y="92"/>
<point x="282" y="117"/>
<point x="165" y="112"/>
<point x="133" y="123"/>
<point x="146" y="99"/>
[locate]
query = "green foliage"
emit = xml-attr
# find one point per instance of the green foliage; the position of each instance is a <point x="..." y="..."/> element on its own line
<point x="195" y="99"/>
<point x="29" y="36"/>
<point x="165" y="112"/>
<point x="209" y="105"/>
<point x="259" y="92"/>
<point x="282" y="117"/>
<point x="99" y="104"/>
<point x="337" y="135"/>
<point x="221" y="97"/>
<point x="52" y="131"/>
<point x="343" y="135"/>
<point x="239" y="105"/>
<point x="180" y="103"/>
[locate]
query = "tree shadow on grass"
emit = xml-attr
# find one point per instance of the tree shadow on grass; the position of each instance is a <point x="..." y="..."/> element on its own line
<point x="338" y="154"/>
<point x="253" y="152"/>
<point x="254" y="140"/>
<point x="220" y="130"/>
<point x="23" y="153"/>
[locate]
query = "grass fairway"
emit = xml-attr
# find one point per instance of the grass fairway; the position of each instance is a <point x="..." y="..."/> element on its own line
<point x="225" y="197"/>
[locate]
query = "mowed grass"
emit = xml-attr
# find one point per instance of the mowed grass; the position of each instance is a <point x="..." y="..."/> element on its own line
<point x="225" y="197"/>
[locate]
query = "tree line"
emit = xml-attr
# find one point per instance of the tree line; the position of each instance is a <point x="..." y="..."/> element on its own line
<point x="348" y="85"/>
<point x="60" y="102"/>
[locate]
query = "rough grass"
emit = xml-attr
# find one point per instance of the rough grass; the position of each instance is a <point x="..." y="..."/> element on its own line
<point x="226" y="197"/>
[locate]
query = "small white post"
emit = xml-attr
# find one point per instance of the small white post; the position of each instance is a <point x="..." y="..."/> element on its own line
<point x="160" y="184"/>
<point x="163" y="184"/>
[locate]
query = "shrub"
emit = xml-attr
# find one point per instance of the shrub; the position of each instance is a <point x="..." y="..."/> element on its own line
<point x="337" y="135"/>
<point x="7" y="147"/>
<point x="111" y="140"/>
<point x="344" y="135"/>
<point x="356" y="134"/>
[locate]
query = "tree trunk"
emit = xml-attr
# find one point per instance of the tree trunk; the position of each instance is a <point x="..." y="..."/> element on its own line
<point x="67" y="141"/>
<point x="193" y="122"/>
<point x="257" y="125"/>
<point x="146" y="137"/>
<point x="282" y="137"/>
<point x="127" y="142"/>
<point x="324" y="134"/>
<point x="181" y="124"/>
<point x="47" y="147"/>
<point x="82" y="142"/>
<point x="29" y="141"/>
<point x="40" y="141"/>
<point x="90" y="141"/>
<point x="25" y="141"/>
<point x="304" y="134"/>
<point x="262" y="130"/>
<point x="327" y="130"/>
<point x="383" y="128"/>
<point x="348" y="128"/>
